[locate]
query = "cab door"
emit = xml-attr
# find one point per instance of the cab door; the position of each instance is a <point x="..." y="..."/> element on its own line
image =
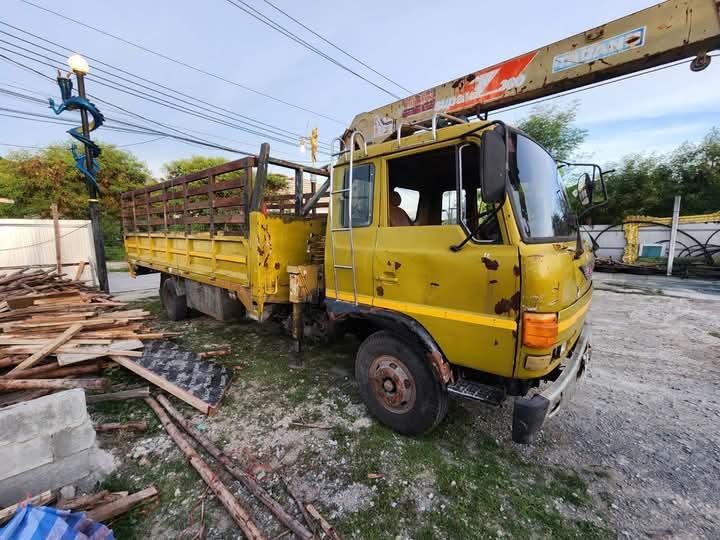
<point x="468" y="298"/>
<point x="352" y="266"/>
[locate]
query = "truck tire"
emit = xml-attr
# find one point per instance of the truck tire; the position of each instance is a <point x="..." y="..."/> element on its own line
<point x="175" y="305"/>
<point x="398" y="386"/>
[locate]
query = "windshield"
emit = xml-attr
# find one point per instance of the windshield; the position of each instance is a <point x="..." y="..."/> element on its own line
<point x="539" y="198"/>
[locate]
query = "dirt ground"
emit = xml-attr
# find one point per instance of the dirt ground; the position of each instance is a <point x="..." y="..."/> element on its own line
<point x="638" y="454"/>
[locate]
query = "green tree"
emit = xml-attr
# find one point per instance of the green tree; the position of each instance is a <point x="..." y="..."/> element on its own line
<point x="181" y="167"/>
<point x="647" y="185"/>
<point x="34" y="180"/>
<point x="553" y="127"/>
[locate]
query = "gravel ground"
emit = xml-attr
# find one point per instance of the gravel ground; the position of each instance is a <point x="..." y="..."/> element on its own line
<point x="646" y="421"/>
<point x="642" y="432"/>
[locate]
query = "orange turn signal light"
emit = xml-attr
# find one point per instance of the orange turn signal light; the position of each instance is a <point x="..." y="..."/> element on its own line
<point x="540" y="330"/>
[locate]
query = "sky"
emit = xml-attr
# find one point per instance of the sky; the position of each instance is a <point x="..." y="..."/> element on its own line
<point x="416" y="43"/>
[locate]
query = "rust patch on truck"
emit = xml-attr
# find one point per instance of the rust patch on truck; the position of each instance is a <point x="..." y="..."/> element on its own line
<point x="516" y="271"/>
<point x="442" y="367"/>
<point x="490" y="264"/>
<point x="380" y="291"/>
<point x="506" y="305"/>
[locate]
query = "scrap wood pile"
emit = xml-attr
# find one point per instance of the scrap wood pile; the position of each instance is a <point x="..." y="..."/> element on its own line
<point x="57" y="333"/>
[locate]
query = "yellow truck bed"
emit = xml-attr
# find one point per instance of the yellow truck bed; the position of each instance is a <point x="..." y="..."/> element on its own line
<point x="218" y="227"/>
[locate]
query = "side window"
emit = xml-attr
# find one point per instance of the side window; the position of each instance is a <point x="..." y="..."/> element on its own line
<point x="423" y="189"/>
<point x="362" y="196"/>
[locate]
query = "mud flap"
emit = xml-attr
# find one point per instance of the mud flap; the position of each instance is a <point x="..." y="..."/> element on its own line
<point x="528" y="417"/>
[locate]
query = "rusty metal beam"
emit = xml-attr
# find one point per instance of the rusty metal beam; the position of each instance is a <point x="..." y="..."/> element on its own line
<point x="661" y="34"/>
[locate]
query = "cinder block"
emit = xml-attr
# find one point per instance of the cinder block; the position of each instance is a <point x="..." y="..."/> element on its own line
<point x="84" y="468"/>
<point x="42" y="416"/>
<point x="72" y="440"/>
<point x="24" y="456"/>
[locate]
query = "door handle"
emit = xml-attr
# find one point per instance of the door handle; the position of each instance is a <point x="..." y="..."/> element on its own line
<point x="387" y="277"/>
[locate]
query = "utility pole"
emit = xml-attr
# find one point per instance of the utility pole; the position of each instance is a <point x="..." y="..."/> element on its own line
<point x="673" y="234"/>
<point x="80" y="67"/>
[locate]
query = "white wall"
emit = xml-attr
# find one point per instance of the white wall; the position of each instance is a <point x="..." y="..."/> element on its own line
<point x="27" y="242"/>
<point x="612" y="242"/>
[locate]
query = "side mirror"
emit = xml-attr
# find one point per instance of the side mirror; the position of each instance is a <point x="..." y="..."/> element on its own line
<point x="493" y="167"/>
<point x="585" y="190"/>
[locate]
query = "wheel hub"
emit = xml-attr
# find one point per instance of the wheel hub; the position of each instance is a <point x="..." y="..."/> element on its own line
<point x="392" y="383"/>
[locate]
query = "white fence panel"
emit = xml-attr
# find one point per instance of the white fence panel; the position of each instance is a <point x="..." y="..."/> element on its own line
<point x="612" y="242"/>
<point x="31" y="242"/>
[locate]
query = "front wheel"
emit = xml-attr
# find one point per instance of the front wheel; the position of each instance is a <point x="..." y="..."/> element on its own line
<point x="398" y="386"/>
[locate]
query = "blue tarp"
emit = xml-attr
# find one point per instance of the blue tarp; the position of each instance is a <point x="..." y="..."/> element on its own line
<point x="46" y="523"/>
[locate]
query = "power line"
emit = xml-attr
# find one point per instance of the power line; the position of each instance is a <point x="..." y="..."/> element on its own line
<point x="141" y="142"/>
<point x="183" y="64"/>
<point x="142" y="95"/>
<point x="337" y="47"/>
<point x="243" y="118"/>
<point x="294" y="37"/>
<point x="184" y="136"/>
<point x="21" y="146"/>
<point x="118" y="86"/>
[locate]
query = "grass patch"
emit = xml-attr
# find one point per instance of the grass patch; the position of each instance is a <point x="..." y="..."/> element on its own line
<point x="456" y="482"/>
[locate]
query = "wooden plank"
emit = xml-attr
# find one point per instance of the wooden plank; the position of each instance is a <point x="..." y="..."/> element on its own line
<point x="80" y="270"/>
<point x="66" y="359"/>
<point x="49" y="348"/>
<point x="56" y="229"/>
<point x="38" y="500"/>
<point x="115" y="508"/>
<point x="52" y="384"/>
<point x="154" y="378"/>
<point x="71" y="343"/>
<point x="53" y="371"/>
<point x="122" y="395"/>
<point x="139" y="425"/>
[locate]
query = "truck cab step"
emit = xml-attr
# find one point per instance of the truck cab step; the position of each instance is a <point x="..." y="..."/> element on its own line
<point x="477" y="391"/>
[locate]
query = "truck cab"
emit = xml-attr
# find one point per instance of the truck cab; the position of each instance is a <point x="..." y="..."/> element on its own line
<point x="456" y="250"/>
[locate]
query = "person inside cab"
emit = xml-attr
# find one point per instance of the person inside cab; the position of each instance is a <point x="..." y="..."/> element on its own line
<point x="398" y="217"/>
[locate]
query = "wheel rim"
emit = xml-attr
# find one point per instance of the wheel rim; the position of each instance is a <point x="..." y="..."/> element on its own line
<point x="392" y="384"/>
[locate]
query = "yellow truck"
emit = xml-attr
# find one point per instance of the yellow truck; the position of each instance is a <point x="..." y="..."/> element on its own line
<point x="445" y="240"/>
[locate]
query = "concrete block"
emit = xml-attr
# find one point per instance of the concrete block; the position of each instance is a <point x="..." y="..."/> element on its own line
<point x="45" y="415"/>
<point x="73" y="440"/>
<point x="84" y="469"/>
<point x="24" y="456"/>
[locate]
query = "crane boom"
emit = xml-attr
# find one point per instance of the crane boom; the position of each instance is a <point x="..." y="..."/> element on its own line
<point x="661" y="34"/>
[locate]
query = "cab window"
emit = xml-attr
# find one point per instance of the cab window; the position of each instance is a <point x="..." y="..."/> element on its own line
<point x="439" y="187"/>
<point x="362" y="196"/>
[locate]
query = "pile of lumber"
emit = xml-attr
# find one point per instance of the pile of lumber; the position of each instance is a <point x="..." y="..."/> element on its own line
<point x="57" y="333"/>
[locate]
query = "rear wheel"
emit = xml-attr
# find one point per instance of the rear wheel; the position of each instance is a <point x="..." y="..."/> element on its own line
<point x="175" y="305"/>
<point x="398" y="386"/>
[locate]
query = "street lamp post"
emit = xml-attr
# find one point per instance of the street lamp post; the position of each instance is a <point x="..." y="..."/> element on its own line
<point x="80" y="67"/>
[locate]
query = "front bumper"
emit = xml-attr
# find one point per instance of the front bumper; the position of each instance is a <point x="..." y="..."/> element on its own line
<point x="530" y="413"/>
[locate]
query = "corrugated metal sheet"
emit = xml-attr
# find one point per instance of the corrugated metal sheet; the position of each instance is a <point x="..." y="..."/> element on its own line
<point x="27" y="242"/>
